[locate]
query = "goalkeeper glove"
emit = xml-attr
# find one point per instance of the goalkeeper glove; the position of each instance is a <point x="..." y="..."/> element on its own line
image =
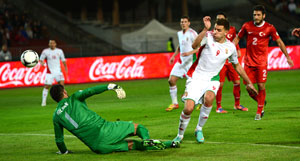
<point x="118" y="89"/>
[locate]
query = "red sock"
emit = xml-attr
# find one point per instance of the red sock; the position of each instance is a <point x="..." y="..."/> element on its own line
<point x="219" y="97"/>
<point x="236" y="94"/>
<point x="261" y="97"/>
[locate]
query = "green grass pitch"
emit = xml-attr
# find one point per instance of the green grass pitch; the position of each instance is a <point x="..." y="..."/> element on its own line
<point x="26" y="131"/>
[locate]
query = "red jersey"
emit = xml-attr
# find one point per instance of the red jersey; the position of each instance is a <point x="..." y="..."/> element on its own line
<point x="231" y="34"/>
<point x="257" y="42"/>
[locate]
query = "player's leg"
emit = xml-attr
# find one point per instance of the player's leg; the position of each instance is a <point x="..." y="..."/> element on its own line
<point x="176" y="73"/>
<point x="173" y="92"/>
<point x="45" y="94"/>
<point x="205" y="110"/>
<point x="237" y="95"/>
<point x="185" y="118"/>
<point x="48" y="83"/>
<point x="204" y="114"/>
<point x="219" y="99"/>
<point x="261" y="97"/>
<point x="146" y="145"/>
<point x="222" y="75"/>
<point x="141" y="131"/>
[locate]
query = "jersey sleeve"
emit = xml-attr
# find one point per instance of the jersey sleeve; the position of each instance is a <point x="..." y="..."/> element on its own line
<point x="59" y="137"/>
<point x="62" y="56"/>
<point x="233" y="58"/>
<point x="84" y="94"/>
<point x="242" y="31"/>
<point x="274" y="33"/>
<point x="194" y="35"/>
<point x="43" y="56"/>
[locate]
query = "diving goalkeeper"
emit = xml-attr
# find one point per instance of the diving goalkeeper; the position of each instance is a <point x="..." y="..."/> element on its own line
<point x="99" y="135"/>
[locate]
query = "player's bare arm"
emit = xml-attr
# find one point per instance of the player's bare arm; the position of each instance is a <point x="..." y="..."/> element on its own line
<point x="282" y="47"/>
<point x="190" y="52"/>
<point x="239" y="69"/>
<point x="65" y="65"/>
<point x="173" y="56"/>
<point x="239" y="54"/>
<point x="236" y="40"/>
<point x="207" y="25"/>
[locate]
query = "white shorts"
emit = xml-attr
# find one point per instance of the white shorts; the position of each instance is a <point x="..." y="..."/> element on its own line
<point x="180" y="70"/>
<point x="50" y="77"/>
<point x="197" y="88"/>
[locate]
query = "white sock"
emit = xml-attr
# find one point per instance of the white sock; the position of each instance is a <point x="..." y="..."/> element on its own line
<point x="183" y="123"/>
<point x="173" y="94"/>
<point x="204" y="113"/>
<point x="45" y="94"/>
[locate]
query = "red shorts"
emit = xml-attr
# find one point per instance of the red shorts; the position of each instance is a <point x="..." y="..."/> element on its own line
<point x="229" y="72"/>
<point x="257" y="74"/>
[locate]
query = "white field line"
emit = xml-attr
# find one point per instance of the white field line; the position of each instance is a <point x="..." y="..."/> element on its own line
<point x="188" y="142"/>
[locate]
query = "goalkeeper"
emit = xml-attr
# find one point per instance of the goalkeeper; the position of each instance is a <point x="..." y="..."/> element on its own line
<point x="99" y="135"/>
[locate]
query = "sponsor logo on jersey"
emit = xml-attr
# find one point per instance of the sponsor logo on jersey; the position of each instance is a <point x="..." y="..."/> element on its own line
<point x="250" y="33"/>
<point x="226" y="51"/>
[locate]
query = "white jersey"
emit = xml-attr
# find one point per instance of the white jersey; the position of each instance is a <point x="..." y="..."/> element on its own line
<point x="53" y="58"/>
<point x="212" y="58"/>
<point x="185" y="44"/>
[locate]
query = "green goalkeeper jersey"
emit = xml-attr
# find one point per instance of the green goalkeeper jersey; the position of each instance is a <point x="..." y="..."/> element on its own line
<point x="73" y="114"/>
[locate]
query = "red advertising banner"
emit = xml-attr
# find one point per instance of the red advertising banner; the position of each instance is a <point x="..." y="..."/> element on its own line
<point x="277" y="60"/>
<point x="90" y="69"/>
<point x="113" y="68"/>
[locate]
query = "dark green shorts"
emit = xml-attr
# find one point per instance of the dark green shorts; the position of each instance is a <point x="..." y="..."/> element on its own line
<point x="112" y="136"/>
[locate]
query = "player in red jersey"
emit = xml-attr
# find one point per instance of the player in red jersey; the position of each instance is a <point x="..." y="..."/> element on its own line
<point x="258" y="32"/>
<point x="229" y="72"/>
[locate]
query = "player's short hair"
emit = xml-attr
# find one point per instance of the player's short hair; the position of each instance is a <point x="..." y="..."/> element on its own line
<point x="223" y="22"/>
<point x="57" y="92"/>
<point x="260" y="8"/>
<point x="185" y="17"/>
<point x="221" y="13"/>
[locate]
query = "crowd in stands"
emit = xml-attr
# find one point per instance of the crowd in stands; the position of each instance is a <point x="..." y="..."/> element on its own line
<point x="16" y="27"/>
<point x="290" y="6"/>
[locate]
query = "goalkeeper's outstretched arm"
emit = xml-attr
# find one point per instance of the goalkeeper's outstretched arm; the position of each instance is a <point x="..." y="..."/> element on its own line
<point x="84" y="94"/>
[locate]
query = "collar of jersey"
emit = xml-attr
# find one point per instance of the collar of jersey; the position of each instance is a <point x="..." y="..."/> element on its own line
<point x="259" y="25"/>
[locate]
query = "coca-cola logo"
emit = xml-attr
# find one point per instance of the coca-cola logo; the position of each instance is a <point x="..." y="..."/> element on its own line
<point x="128" y="67"/>
<point x="276" y="59"/>
<point x="21" y="76"/>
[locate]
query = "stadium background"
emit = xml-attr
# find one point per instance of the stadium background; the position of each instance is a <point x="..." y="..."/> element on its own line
<point x="93" y="30"/>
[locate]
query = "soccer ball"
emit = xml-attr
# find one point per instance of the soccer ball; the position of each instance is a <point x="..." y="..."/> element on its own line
<point x="29" y="58"/>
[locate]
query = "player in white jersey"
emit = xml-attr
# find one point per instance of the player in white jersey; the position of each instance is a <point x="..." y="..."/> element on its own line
<point x="186" y="38"/>
<point x="53" y="56"/>
<point x="204" y="80"/>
